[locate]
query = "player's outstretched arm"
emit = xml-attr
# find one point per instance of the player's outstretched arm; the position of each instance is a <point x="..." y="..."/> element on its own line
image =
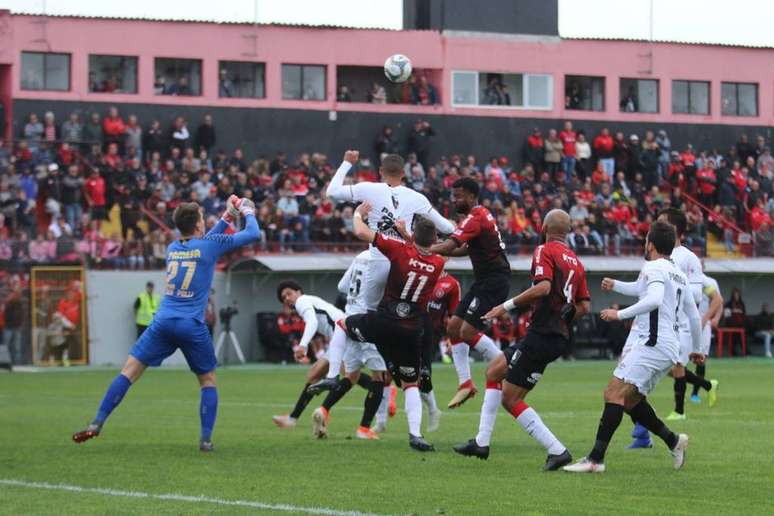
<point x="336" y="189"/>
<point x="627" y="288"/>
<point x="652" y="300"/>
<point x="445" y="248"/>
<point x="442" y="224"/>
<point x="536" y="291"/>
<point x="231" y="213"/>
<point x="359" y="226"/>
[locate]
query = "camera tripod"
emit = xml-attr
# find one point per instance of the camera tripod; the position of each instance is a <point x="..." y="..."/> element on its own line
<point x="227" y="332"/>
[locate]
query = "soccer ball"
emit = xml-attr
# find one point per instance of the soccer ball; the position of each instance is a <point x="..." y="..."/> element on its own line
<point x="397" y="68"/>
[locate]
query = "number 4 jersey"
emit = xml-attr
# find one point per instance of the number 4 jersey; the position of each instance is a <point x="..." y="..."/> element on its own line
<point x="412" y="277"/>
<point x="557" y="263"/>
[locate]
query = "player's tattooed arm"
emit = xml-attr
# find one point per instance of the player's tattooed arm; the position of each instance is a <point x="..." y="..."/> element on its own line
<point x="445" y="248"/>
<point x="359" y="226"/>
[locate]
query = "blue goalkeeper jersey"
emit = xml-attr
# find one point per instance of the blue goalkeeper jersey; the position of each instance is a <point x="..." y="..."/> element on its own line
<point x="191" y="265"/>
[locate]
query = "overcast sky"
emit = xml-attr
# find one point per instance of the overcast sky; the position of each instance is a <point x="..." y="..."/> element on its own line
<point x="748" y="22"/>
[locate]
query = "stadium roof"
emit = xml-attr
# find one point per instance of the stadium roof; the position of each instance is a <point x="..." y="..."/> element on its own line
<point x="674" y="42"/>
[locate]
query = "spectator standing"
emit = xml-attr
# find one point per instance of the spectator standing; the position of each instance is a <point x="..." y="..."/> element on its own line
<point x="72" y="196"/>
<point x="92" y="130"/>
<point x="205" y="134"/>
<point x="49" y="127"/>
<point x="745" y="149"/>
<point x="553" y="152"/>
<point x="154" y="139"/>
<point x="33" y="132"/>
<point x="603" y="149"/>
<point x="665" y="149"/>
<point x="113" y="128"/>
<point x="72" y="130"/>
<point x="180" y="134"/>
<point x="621" y="153"/>
<point x="583" y="154"/>
<point x="736" y="316"/>
<point x="133" y="135"/>
<point x="419" y="141"/>
<point x="569" y="156"/>
<point x="225" y="86"/>
<point x="707" y="182"/>
<point x="763" y="323"/>
<point x="343" y="95"/>
<point x="533" y="152"/>
<point x="385" y="143"/>
<point x="377" y="95"/>
<point x="145" y="306"/>
<point x="763" y="239"/>
<point x="424" y="93"/>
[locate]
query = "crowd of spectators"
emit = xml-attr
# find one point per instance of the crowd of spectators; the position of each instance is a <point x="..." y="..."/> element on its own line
<point x="59" y="181"/>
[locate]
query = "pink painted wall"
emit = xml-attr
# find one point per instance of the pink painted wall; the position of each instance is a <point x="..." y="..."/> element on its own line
<point x="427" y="49"/>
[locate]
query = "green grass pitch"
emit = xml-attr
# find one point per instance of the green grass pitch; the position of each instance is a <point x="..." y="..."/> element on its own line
<point x="150" y="446"/>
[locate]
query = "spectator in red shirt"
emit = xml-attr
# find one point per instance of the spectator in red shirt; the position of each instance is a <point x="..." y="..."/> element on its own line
<point x="533" y="153"/>
<point x="707" y="183"/>
<point x="603" y="148"/>
<point x="688" y="159"/>
<point x="759" y="215"/>
<point x="504" y="331"/>
<point x="94" y="192"/>
<point x="568" y="138"/>
<point x="113" y="127"/>
<point x="599" y="175"/>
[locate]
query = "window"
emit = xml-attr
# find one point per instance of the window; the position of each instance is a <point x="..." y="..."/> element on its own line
<point x="112" y="74"/>
<point x="303" y="82"/>
<point x="739" y="99"/>
<point x="501" y="89"/>
<point x="241" y="79"/>
<point x="584" y="93"/>
<point x="690" y="97"/>
<point x="45" y="71"/>
<point x="639" y="95"/>
<point x="178" y="77"/>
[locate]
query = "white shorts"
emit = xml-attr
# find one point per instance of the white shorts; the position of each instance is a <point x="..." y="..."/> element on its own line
<point x="633" y="338"/>
<point x="706" y="338"/>
<point x="359" y="355"/>
<point x="375" y="281"/>
<point x="644" y="366"/>
<point x="686" y="346"/>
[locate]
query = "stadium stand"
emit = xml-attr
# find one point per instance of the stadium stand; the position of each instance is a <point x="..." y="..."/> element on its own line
<point x="101" y="191"/>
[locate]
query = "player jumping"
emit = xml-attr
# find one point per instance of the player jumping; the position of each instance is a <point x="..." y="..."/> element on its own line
<point x="397" y="326"/>
<point x="478" y="236"/>
<point x="179" y="322"/>
<point x="558" y="295"/>
<point x="657" y="350"/>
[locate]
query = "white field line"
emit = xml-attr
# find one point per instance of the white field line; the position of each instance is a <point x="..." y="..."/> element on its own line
<point x="181" y="498"/>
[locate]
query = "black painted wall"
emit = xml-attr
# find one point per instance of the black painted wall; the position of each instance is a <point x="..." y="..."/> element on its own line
<point x="265" y="131"/>
<point x="502" y="16"/>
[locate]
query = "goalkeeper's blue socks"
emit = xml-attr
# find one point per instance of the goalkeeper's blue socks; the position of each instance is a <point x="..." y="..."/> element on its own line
<point x="113" y="397"/>
<point x="208" y="411"/>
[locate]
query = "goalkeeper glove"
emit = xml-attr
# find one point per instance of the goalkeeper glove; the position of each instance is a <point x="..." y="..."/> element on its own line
<point x="232" y="209"/>
<point x="246" y="207"/>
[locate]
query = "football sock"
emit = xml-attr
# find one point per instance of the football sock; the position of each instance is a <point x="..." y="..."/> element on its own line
<point x="608" y="424"/>
<point x="429" y="399"/>
<point x="336" y="348"/>
<point x="697" y="381"/>
<point x="680" y="395"/>
<point x="413" y="410"/>
<point x="208" y="411"/>
<point x="492" y="399"/>
<point x="531" y="422"/>
<point x="701" y="371"/>
<point x="365" y="381"/>
<point x="303" y="401"/>
<point x="425" y="380"/>
<point x="461" y="361"/>
<point x="384" y="406"/>
<point x="644" y="414"/>
<point x="486" y="346"/>
<point x="371" y="404"/>
<point x="113" y="397"/>
<point x="335" y="394"/>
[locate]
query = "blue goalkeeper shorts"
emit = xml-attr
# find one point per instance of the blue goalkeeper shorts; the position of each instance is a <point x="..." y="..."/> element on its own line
<point x="164" y="336"/>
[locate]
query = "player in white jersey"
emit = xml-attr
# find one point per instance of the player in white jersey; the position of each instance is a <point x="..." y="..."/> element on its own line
<point x="690" y="265"/>
<point x="711" y="309"/>
<point x="320" y="318"/>
<point x="656" y="351"/>
<point x="390" y="201"/>
<point x="355" y="355"/>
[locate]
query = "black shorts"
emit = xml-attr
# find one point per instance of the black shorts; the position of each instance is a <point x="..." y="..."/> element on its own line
<point x="528" y="358"/>
<point x="485" y="294"/>
<point x="399" y="342"/>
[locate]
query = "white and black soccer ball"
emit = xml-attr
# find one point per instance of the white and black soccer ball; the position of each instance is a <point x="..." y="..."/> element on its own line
<point x="397" y="68"/>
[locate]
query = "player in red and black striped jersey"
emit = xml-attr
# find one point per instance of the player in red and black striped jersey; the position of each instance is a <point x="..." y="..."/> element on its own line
<point x="398" y="325"/>
<point x="479" y="237"/>
<point x="558" y="294"/>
